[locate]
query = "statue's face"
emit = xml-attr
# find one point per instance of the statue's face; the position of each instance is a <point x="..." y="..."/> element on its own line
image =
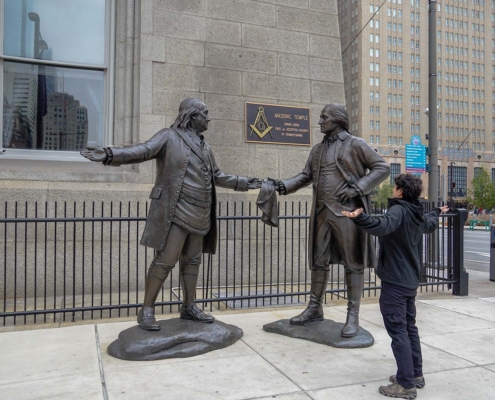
<point x="326" y="122"/>
<point x="200" y="120"/>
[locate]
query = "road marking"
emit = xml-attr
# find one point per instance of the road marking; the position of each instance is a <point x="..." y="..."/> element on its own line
<point x="476" y="261"/>
<point x="477" y="253"/>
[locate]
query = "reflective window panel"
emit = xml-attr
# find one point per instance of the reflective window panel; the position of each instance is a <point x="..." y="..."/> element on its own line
<point x="51" y="108"/>
<point x="57" y="30"/>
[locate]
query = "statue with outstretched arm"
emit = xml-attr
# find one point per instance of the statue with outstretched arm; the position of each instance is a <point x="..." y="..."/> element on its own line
<point x="343" y="170"/>
<point x="181" y="223"/>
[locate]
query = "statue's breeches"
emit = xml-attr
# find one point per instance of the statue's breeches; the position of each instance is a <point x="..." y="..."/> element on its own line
<point x="180" y="245"/>
<point x="337" y="240"/>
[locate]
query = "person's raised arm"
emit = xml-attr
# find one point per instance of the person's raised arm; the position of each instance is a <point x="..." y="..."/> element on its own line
<point x="377" y="226"/>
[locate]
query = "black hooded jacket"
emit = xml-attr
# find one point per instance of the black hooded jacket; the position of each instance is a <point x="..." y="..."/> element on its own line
<point x="400" y="232"/>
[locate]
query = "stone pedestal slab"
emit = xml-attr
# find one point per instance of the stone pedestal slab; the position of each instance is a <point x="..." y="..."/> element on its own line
<point x="324" y="332"/>
<point x="176" y="339"/>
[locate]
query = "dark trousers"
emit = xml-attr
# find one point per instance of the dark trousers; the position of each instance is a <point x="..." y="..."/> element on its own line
<point x="398" y="308"/>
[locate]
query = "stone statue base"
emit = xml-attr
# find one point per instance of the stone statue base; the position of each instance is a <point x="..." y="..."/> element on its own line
<point x="324" y="332"/>
<point x="177" y="338"/>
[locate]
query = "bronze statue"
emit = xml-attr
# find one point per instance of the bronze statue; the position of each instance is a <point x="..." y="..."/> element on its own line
<point x="343" y="170"/>
<point x="181" y="224"/>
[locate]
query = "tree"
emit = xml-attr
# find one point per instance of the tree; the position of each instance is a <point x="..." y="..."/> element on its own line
<point x="482" y="193"/>
<point x="383" y="193"/>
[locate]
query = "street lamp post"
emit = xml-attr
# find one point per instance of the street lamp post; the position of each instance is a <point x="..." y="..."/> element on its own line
<point x="452" y="184"/>
<point x="432" y="103"/>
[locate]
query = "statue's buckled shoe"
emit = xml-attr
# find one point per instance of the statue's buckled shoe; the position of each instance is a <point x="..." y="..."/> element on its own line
<point x="311" y="314"/>
<point x="194" y="313"/>
<point x="146" y="319"/>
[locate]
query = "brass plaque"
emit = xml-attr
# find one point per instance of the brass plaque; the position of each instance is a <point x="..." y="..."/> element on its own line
<point x="276" y="124"/>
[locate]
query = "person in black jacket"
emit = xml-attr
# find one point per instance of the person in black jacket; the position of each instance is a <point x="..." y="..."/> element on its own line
<point x="400" y="233"/>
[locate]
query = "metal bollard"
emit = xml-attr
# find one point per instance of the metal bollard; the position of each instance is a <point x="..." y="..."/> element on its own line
<point x="492" y="253"/>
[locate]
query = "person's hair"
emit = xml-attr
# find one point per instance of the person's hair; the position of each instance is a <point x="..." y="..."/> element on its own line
<point x="340" y="116"/>
<point x="187" y="109"/>
<point x="411" y="186"/>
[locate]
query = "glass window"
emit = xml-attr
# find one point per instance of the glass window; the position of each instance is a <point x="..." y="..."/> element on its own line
<point x="458" y="175"/>
<point x="55" y="98"/>
<point x="394" y="171"/>
<point x="33" y="29"/>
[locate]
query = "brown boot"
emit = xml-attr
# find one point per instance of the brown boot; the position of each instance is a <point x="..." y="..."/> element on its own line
<point x="398" y="391"/>
<point x="355" y="283"/>
<point x="314" y="311"/>
<point x="154" y="281"/>
<point x="189" y="309"/>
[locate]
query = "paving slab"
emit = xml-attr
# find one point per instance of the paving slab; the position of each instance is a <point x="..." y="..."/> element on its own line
<point x="474" y="346"/>
<point x="81" y="387"/>
<point x="490" y="299"/>
<point x="468" y="306"/>
<point x="444" y="385"/>
<point x="230" y="378"/>
<point x="291" y="396"/>
<point x="48" y="354"/>
<point x="432" y="319"/>
<point x="320" y="367"/>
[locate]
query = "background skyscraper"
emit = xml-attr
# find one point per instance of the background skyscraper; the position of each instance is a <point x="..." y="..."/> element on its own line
<point x="386" y="81"/>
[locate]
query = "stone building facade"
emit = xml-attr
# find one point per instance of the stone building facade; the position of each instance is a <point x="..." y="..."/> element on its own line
<point x="224" y="52"/>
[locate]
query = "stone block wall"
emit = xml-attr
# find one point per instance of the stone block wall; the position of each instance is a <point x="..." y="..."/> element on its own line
<point x="228" y="52"/>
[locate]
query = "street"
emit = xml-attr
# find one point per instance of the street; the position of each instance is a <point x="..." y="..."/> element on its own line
<point x="477" y="250"/>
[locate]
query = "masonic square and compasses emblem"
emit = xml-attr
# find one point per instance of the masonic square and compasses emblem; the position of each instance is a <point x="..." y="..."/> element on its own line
<point x="261" y="126"/>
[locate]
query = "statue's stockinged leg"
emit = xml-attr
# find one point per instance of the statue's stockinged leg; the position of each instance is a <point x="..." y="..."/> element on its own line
<point x="314" y="311"/>
<point x="189" y="310"/>
<point x="355" y="284"/>
<point x="156" y="276"/>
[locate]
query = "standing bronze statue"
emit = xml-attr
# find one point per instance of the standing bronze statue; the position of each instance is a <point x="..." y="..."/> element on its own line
<point x="343" y="170"/>
<point x="181" y="224"/>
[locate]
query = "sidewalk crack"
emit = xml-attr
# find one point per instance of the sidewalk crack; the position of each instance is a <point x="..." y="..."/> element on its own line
<point x="100" y="364"/>
<point x="274" y="366"/>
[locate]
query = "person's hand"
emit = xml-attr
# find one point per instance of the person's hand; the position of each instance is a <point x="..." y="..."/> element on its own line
<point x="444" y="209"/>
<point x="97" y="154"/>
<point x="346" y="194"/>
<point x="353" y="214"/>
<point x="254" y="183"/>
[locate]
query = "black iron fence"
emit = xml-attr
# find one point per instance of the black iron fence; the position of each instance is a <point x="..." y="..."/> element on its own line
<point x="79" y="260"/>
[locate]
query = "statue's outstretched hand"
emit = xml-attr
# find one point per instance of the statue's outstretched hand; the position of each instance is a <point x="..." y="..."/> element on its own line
<point x="353" y="214"/>
<point x="97" y="154"/>
<point x="254" y="183"/>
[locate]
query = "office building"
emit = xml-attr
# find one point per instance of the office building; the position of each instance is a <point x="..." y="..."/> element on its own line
<point x="385" y="63"/>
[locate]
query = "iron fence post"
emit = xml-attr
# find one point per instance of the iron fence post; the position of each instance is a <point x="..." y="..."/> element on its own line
<point x="461" y="277"/>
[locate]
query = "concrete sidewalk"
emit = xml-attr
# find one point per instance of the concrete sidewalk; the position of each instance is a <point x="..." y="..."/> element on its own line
<point x="458" y="338"/>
